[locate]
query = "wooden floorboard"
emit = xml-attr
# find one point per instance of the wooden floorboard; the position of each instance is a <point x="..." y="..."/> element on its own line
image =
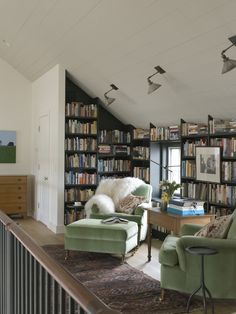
<point x="42" y="236"/>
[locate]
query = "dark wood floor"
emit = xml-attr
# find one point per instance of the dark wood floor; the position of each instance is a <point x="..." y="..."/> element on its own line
<point x="42" y="235"/>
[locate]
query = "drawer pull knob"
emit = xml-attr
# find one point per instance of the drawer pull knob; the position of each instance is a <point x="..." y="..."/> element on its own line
<point x="19" y="188"/>
<point x="19" y="197"/>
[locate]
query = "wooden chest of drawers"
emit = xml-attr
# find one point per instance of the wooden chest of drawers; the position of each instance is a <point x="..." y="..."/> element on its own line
<point x="13" y="194"/>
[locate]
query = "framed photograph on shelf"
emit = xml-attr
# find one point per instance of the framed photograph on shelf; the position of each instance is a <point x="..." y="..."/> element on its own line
<point x="208" y="160"/>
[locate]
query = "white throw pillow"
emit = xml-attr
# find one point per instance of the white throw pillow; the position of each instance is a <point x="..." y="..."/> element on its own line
<point x="104" y="203"/>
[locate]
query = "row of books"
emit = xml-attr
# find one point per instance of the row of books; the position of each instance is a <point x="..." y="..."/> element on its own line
<point x="220" y="211"/>
<point x="75" y="194"/>
<point x="189" y="128"/>
<point x="165" y="133"/>
<point x="76" y="143"/>
<point x="78" y="109"/>
<point x="72" y="215"/>
<point x="142" y="173"/>
<point x="75" y="126"/>
<point x="72" y="177"/>
<point x="229" y="171"/>
<point x="194" y="190"/>
<point x="139" y="133"/>
<point x="223" y="194"/>
<point x="190" y="145"/>
<point x="114" y="149"/>
<point x="114" y="136"/>
<point x="113" y="165"/>
<point x="222" y="126"/>
<point x="228" y="146"/>
<point x="81" y="160"/>
<point x="141" y="152"/>
<point x="188" y="168"/>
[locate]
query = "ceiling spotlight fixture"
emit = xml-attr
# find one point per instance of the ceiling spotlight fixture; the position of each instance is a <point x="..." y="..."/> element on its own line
<point x="229" y="64"/>
<point x="151" y="85"/>
<point x="110" y="100"/>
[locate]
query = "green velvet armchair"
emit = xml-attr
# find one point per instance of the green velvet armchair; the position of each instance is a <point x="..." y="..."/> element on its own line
<point x="140" y="213"/>
<point x="181" y="271"/>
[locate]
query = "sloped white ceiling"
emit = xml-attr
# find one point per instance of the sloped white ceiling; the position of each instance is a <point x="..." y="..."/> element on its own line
<point x="121" y="41"/>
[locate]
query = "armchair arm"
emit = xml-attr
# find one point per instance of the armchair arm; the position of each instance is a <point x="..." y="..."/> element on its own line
<point x="226" y="247"/>
<point x="190" y="229"/>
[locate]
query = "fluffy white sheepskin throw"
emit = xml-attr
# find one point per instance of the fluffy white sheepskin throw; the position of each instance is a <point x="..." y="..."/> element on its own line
<point x="117" y="189"/>
<point x="104" y="203"/>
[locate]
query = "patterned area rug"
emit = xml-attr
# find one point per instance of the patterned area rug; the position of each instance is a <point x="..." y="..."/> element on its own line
<point x="121" y="287"/>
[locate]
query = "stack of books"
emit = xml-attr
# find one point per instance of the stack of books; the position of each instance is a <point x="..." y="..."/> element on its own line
<point x="185" y="207"/>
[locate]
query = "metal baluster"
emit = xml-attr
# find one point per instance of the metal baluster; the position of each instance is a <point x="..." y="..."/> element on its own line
<point x="55" y="296"/>
<point x="9" y="275"/>
<point x="36" y="288"/>
<point x="4" y="272"/>
<point x="81" y="311"/>
<point x="27" y="283"/>
<point x="15" y="274"/>
<point x="2" y="268"/>
<point x="62" y="300"/>
<point x="22" y="279"/>
<point x="41" y="290"/>
<point x="71" y="306"/>
<point x="18" y="277"/>
<point x="31" y="287"/>
<point x="48" y="294"/>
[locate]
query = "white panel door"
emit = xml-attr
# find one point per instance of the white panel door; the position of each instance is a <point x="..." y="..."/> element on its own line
<point x="43" y="169"/>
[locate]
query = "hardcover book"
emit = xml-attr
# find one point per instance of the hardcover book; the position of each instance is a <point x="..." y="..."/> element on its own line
<point x="115" y="220"/>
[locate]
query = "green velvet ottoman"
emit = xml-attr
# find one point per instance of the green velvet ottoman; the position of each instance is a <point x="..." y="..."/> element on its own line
<point x="92" y="235"/>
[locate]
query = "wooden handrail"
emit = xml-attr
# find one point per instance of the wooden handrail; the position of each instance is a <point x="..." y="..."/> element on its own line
<point x="80" y="293"/>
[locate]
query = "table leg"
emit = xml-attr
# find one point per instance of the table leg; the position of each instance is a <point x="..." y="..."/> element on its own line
<point x="149" y="241"/>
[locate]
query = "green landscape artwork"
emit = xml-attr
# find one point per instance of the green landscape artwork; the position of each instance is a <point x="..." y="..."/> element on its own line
<point x="7" y="146"/>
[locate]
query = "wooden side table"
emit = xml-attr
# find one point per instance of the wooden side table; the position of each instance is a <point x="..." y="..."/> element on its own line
<point x="172" y="223"/>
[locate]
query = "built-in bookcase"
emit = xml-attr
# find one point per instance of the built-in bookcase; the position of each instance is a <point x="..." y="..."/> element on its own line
<point x="97" y="146"/>
<point x="141" y="154"/>
<point x="114" y="154"/>
<point x="220" y="197"/>
<point x="80" y="156"/>
<point x="192" y="134"/>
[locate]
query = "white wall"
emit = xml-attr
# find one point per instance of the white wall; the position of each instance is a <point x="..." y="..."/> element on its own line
<point x="48" y="97"/>
<point x="15" y="114"/>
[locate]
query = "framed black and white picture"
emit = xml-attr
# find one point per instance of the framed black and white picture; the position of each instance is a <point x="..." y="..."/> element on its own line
<point x="208" y="161"/>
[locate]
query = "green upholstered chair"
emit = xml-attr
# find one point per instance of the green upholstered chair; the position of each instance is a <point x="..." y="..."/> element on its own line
<point x="181" y="271"/>
<point x="140" y="213"/>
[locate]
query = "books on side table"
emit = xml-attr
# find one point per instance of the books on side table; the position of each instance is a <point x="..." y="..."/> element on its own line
<point x="185" y="207"/>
